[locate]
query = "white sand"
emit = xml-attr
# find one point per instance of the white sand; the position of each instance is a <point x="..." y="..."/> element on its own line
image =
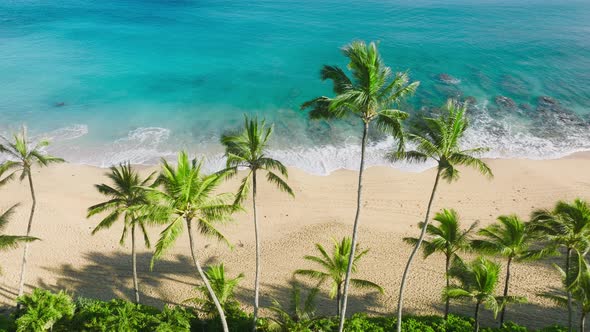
<point x="69" y="257"/>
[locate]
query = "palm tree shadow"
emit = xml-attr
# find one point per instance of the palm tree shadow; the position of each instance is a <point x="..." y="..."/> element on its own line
<point x="531" y="315"/>
<point x="109" y="276"/>
<point x="366" y="303"/>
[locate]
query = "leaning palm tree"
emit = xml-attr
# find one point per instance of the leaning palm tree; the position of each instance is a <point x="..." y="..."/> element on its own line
<point x="566" y="226"/>
<point x="439" y="139"/>
<point x="512" y="238"/>
<point x="334" y="269"/>
<point x="369" y="95"/>
<point x="447" y="238"/>
<point x="188" y="197"/>
<point x="22" y="156"/>
<point x="478" y="281"/>
<point x="248" y="150"/>
<point x="224" y="288"/>
<point x="127" y="198"/>
<point x="11" y="241"/>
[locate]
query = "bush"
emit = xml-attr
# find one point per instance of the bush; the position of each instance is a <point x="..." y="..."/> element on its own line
<point x="42" y="310"/>
<point x="7" y="324"/>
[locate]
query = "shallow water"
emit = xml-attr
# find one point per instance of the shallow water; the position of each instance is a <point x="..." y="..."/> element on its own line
<point x="118" y="80"/>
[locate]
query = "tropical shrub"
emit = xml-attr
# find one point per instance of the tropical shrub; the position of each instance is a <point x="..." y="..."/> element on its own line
<point x="42" y="309"/>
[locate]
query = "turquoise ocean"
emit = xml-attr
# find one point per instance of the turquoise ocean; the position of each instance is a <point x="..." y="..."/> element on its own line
<point x="115" y="80"/>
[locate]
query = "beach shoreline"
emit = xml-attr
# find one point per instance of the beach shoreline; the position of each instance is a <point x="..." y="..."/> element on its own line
<point x="69" y="257"/>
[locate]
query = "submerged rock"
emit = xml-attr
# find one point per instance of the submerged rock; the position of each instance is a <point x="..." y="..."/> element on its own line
<point x="447" y="79"/>
<point x="505" y="103"/>
<point x="550" y="112"/>
<point x="514" y="85"/>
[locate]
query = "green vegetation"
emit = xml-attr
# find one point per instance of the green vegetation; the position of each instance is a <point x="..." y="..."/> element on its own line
<point x="183" y="196"/>
<point x="46" y="311"/>
<point x="248" y="149"/>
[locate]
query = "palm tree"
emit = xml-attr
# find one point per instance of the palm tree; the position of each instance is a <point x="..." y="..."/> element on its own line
<point x="23" y="155"/>
<point x="369" y="95"/>
<point x="446" y="238"/>
<point x="224" y="288"/>
<point x="566" y="226"/>
<point x="478" y="281"/>
<point x="11" y="241"/>
<point x="580" y="292"/>
<point x="334" y="269"/>
<point x="300" y="313"/>
<point x="248" y="149"/>
<point x="189" y="198"/>
<point x="511" y="238"/>
<point x="127" y="198"/>
<point x="439" y="139"/>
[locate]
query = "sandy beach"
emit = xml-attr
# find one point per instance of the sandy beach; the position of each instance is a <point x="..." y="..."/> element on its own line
<point x="69" y="257"/>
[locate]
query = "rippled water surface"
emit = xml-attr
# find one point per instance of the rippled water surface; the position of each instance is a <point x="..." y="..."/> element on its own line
<point x="117" y="80"/>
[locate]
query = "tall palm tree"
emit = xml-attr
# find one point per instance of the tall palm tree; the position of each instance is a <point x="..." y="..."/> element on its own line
<point x="512" y="238"/>
<point x="447" y="238"/>
<point x="369" y="95"/>
<point x="11" y="241"/>
<point x="188" y="197"/>
<point x="566" y="226"/>
<point x="478" y="281"/>
<point x="127" y="197"/>
<point x="223" y="286"/>
<point x="248" y="149"/>
<point x="22" y="156"/>
<point x="335" y="268"/>
<point x="439" y="139"/>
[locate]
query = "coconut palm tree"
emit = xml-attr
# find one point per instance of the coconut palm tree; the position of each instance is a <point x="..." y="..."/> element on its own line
<point x="478" y="281"/>
<point x="447" y="238"/>
<point x="580" y="293"/>
<point x="334" y="269"/>
<point x="22" y="156"/>
<point x="11" y="241"/>
<point x="566" y="226"/>
<point x="224" y="288"/>
<point x="439" y="139"/>
<point x="512" y="238"/>
<point x="127" y="198"/>
<point x="369" y="95"/>
<point x="188" y="197"/>
<point x="247" y="149"/>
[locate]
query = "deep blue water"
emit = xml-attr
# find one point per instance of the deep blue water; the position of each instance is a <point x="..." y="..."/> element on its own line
<point x="117" y="80"/>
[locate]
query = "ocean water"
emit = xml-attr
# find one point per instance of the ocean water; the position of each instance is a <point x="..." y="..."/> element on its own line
<point x="116" y="80"/>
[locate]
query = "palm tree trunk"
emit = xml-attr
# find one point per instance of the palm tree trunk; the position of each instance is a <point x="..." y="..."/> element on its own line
<point x="257" y="238"/>
<point x="569" y="294"/>
<point x="204" y="278"/>
<point x="583" y="322"/>
<point x="506" y="283"/>
<point x="476" y="326"/>
<point x="447" y="267"/>
<point x="354" y="229"/>
<point x="21" y="284"/>
<point x="400" y="302"/>
<point x="134" y="263"/>
<point x="338" y="298"/>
